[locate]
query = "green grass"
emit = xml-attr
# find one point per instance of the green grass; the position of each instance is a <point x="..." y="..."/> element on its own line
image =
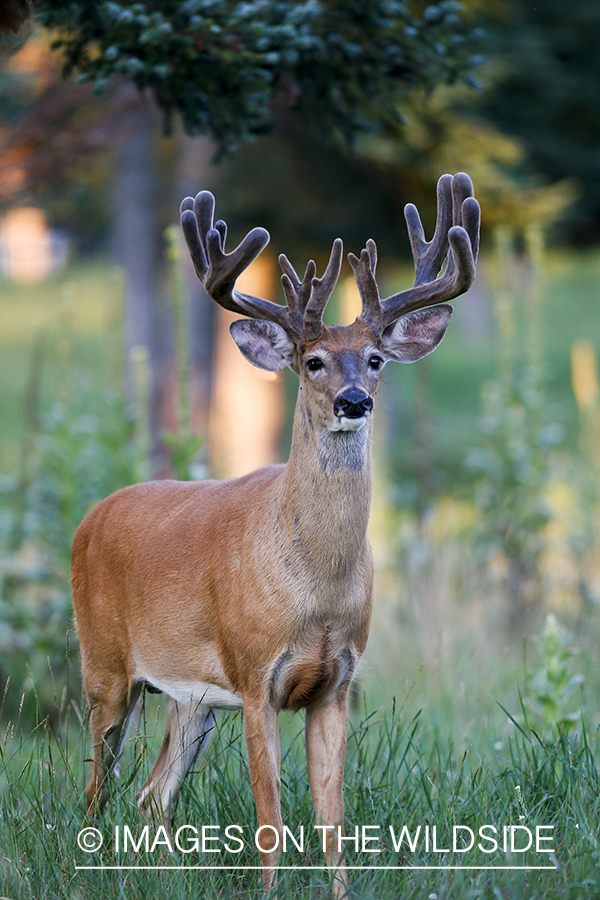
<point x="400" y="771"/>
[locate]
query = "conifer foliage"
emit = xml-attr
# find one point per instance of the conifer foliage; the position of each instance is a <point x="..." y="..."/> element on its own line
<point x="225" y="66"/>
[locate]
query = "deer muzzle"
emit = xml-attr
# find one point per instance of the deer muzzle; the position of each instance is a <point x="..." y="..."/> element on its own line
<point x="352" y="404"/>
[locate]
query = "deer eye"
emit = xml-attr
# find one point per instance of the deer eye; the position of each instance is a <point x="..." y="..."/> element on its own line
<point x="314" y="364"/>
<point x="375" y="362"/>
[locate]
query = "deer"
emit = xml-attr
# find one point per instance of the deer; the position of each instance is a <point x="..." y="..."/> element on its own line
<point x="255" y="593"/>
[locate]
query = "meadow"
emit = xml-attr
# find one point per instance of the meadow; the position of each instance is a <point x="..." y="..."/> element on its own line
<point x="478" y="701"/>
<point x="402" y="775"/>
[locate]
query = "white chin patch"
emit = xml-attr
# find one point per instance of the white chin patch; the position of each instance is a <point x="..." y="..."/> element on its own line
<point x="344" y="424"/>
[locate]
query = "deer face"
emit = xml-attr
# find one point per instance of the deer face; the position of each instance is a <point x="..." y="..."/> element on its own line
<point x="339" y="371"/>
<point x="339" y="374"/>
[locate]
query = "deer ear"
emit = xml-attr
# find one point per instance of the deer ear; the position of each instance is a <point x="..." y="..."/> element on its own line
<point x="416" y="334"/>
<point x="264" y="344"/>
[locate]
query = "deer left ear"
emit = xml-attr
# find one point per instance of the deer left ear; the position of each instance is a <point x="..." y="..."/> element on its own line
<point x="264" y="344"/>
<point x="416" y="334"/>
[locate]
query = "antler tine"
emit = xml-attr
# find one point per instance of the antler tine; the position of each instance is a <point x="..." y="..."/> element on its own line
<point x="465" y="212"/>
<point x="191" y="233"/>
<point x="218" y="271"/>
<point x="429" y="257"/>
<point x="321" y="291"/>
<point x="297" y="293"/>
<point x="364" y="274"/>
<point x="460" y="242"/>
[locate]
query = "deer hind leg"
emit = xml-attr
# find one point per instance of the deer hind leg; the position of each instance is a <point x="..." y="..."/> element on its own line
<point x="112" y="709"/>
<point x="187" y="733"/>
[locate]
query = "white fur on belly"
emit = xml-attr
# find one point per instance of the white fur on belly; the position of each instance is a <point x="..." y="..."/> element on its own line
<point x="194" y="693"/>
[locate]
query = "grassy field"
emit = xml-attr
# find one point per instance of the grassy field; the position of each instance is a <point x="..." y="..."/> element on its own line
<point x="460" y="723"/>
<point x="48" y="331"/>
<point x="486" y="806"/>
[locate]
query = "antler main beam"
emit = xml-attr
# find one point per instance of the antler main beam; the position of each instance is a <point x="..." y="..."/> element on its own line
<point x="456" y="239"/>
<point x="455" y="243"/>
<point x="218" y="271"/>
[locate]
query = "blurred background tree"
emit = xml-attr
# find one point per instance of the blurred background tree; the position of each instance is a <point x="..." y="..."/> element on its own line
<point x="543" y="75"/>
<point x="220" y="65"/>
<point x="228" y="71"/>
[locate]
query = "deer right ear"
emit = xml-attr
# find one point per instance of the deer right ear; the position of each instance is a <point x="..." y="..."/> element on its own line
<point x="265" y="344"/>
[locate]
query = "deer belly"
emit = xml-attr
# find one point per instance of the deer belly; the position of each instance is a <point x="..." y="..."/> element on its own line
<point x="187" y="690"/>
<point x="197" y="693"/>
<point x="302" y="678"/>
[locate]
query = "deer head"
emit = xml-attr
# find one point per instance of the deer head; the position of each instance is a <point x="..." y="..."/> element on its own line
<point x="339" y="366"/>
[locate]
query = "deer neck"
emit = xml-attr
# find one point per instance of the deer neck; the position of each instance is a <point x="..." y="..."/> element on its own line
<point x="327" y="491"/>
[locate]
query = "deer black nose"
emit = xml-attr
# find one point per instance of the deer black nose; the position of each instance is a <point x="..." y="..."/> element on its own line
<point x="352" y="404"/>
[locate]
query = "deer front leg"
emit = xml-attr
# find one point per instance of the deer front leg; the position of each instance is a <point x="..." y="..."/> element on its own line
<point x="262" y="742"/>
<point x="326" y="735"/>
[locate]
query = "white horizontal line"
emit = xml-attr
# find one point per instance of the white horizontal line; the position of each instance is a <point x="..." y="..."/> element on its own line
<point x="323" y="868"/>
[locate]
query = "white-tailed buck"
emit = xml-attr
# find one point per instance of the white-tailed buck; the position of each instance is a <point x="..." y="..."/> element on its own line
<point x="255" y="593"/>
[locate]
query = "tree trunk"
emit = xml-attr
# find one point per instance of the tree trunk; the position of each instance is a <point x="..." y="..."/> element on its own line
<point x="195" y="173"/>
<point x="138" y="250"/>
